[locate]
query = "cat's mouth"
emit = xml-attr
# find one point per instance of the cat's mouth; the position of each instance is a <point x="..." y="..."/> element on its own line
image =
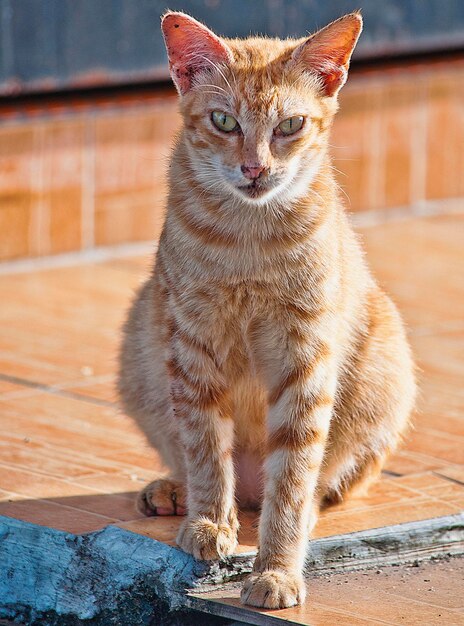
<point x="254" y="189"/>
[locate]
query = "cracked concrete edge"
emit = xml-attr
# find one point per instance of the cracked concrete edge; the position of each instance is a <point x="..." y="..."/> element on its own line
<point x="51" y="577"/>
<point x="47" y="573"/>
<point x="388" y="545"/>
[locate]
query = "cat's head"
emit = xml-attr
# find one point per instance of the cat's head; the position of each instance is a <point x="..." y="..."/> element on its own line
<point x="257" y="111"/>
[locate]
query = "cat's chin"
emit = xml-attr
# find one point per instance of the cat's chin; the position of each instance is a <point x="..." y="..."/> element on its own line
<point x="257" y="192"/>
<point x="253" y="191"/>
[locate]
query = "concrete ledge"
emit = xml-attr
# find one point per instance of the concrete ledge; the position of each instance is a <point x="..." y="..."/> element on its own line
<point x="114" y="576"/>
<point x="108" y="577"/>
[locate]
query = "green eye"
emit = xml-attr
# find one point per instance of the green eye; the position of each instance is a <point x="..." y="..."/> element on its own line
<point x="292" y="125"/>
<point x="224" y="122"/>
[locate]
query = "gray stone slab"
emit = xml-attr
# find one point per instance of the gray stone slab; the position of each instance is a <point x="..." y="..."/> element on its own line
<point x="116" y="577"/>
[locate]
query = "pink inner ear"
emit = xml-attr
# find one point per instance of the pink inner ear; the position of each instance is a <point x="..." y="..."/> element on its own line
<point x="329" y="51"/>
<point x="191" y="47"/>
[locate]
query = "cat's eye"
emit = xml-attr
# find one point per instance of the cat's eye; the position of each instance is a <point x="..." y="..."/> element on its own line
<point x="291" y="125"/>
<point x="224" y="122"/>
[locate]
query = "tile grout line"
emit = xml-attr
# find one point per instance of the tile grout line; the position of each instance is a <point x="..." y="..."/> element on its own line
<point x="374" y="620"/>
<point x="362" y="219"/>
<point x="423" y="209"/>
<point x="25" y="498"/>
<point x="57" y="391"/>
<point x="98" y="254"/>
<point x="57" y="504"/>
<point x="73" y="508"/>
<point x="65" y="481"/>
<point x="74" y="480"/>
<point x="451" y="480"/>
<point x="378" y="507"/>
<point x="433" y="431"/>
<point x="88" y="186"/>
<point x="418" y="145"/>
<point x="77" y="455"/>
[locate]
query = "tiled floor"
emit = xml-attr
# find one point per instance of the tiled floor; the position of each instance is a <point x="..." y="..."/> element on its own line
<point x="418" y="595"/>
<point x="70" y="461"/>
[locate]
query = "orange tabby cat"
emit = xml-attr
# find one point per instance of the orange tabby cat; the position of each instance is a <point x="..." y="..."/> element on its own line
<point x="261" y="359"/>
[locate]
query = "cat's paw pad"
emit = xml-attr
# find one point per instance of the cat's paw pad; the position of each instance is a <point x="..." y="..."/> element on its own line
<point x="207" y="540"/>
<point x="162" y="497"/>
<point x="273" y="590"/>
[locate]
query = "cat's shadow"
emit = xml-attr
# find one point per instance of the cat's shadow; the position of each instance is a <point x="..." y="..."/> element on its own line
<point x="80" y="514"/>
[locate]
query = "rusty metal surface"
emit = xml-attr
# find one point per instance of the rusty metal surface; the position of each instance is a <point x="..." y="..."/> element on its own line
<point x="49" y="45"/>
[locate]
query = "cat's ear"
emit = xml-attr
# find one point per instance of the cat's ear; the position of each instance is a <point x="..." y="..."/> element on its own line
<point x="191" y="48"/>
<point x="328" y="52"/>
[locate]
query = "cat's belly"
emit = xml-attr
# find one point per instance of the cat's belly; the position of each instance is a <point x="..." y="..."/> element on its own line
<point x="249" y="479"/>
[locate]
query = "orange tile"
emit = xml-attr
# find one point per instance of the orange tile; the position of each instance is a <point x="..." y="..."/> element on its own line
<point x="425" y="291"/>
<point x="426" y="594"/>
<point x="331" y="522"/>
<point x="37" y="457"/>
<point x="7" y="387"/>
<point x="139" y="265"/>
<point x="61" y="458"/>
<point x="53" y="515"/>
<point x="380" y="597"/>
<point x="83" y="329"/>
<point x="449" y="424"/>
<point x="63" y="331"/>
<point x="15" y="225"/>
<point x="452" y="471"/>
<point x="161" y="528"/>
<point x="432" y="442"/>
<point x="368" y="599"/>
<point x="312" y="612"/>
<point x="436" y="486"/>
<point x="17" y="170"/>
<point x="165" y="529"/>
<point x="62" y="195"/>
<point x="133" y="215"/>
<point x="131" y="161"/>
<point x="445" y="136"/>
<point x="65" y="220"/>
<point x="350" y="158"/>
<point x="398" y="120"/>
<point x="69" y="437"/>
<point x="40" y="486"/>
<point x="114" y="483"/>
<point x="116" y="506"/>
<point x="84" y="419"/>
<point x="385" y="491"/>
<point x="423" y="507"/>
<point x="396" y="141"/>
<point x="99" y="390"/>
<point x="406" y="462"/>
<point x="357" y="147"/>
<point x="143" y="458"/>
<point x="423" y="482"/>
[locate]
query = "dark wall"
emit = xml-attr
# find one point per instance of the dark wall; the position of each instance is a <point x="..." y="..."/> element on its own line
<point x="61" y="44"/>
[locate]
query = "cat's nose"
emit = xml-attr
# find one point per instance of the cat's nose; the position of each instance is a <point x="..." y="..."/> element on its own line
<point x="253" y="171"/>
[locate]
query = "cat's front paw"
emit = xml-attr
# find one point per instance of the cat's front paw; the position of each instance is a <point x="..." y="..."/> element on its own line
<point x="273" y="589"/>
<point x="207" y="540"/>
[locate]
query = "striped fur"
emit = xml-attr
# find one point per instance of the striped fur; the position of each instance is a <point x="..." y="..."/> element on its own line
<point x="261" y="359"/>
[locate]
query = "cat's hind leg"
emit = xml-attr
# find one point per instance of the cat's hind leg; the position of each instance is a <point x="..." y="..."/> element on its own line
<point x="373" y="406"/>
<point x="164" y="496"/>
<point x="144" y="392"/>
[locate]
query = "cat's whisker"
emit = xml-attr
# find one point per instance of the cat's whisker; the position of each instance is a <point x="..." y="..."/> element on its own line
<point x="335" y="169"/>
<point x="218" y="87"/>
<point x="218" y="69"/>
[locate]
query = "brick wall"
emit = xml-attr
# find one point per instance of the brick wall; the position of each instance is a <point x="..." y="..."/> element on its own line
<point x="81" y="173"/>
